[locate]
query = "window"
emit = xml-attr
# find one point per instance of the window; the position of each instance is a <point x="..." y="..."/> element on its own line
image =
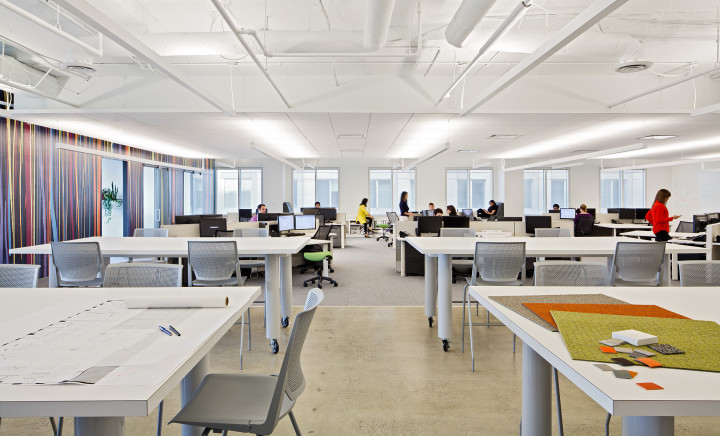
<point x="622" y="189"/>
<point x="237" y="189"/>
<point x="197" y="194"/>
<point x="468" y="189"/>
<point x="310" y="186"/>
<point x="543" y="188"/>
<point x="386" y="185"/>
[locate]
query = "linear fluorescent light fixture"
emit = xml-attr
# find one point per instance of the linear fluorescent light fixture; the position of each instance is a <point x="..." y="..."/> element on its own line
<point x="279" y="159"/>
<point x="663" y="164"/>
<point x="351" y="136"/>
<point x="429" y="156"/>
<point x="659" y="137"/>
<point x="107" y="154"/>
<point x="468" y="151"/>
<point x="503" y="136"/>
<point x="568" y="165"/>
<point x="481" y="165"/>
<point x="705" y="110"/>
<point x="591" y="155"/>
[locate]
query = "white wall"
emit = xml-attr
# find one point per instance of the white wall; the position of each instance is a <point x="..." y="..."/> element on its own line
<point x="694" y="190"/>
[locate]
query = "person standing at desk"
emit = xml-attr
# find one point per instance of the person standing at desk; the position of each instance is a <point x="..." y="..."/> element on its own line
<point x="659" y="217"/>
<point x="260" y="209"/>
<point x="404" y="208"/>
<point x="490" y="211"/>
<point x="363" y="216"/>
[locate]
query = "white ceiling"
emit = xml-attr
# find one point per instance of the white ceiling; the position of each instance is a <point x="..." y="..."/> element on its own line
<point x="172" y="78"/>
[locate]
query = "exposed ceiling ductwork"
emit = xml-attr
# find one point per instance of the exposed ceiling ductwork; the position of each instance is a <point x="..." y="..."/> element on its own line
<point x="466" y="19"/>
<point x="378" y="14"/>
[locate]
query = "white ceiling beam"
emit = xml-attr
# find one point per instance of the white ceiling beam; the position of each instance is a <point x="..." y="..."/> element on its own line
<point x="663" y="164"/>
<point x="29" y="90"/>
<point x="590" y="155"/>
<point x="429" y="156"/>
<point x="111" y="30"/>
<point x="576" y="27"/>
<point x="277" y="158"/>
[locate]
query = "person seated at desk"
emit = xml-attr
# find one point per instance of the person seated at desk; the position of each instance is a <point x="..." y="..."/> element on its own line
<point x="659" y="217"/>
<point x="363" y="217"/>
<point x="490" y="211"/>
<point x="317" y="204"/>
<point x="451" y="210"/>
<point x="582" y="228"/>
<point x="431" y="206"/>
<point x="556" y="207"/>
<point x="260" y="209"/>
<point x="404" y="208"/>
<point x="438" y="212"/>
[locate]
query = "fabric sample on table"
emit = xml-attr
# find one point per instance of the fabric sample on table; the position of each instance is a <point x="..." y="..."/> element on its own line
<point x="543" y="310"/>
<point x="665" y="349"/>
<point x="515" y="303"/>
<point x="699" y="339"/>
<point x="650" y="386"/>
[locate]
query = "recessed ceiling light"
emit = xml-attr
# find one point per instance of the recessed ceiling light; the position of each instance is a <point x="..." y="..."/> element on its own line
<point x="503" y="136"/>
<point x="351" y="136"/>
<point x="658" y="137"/>
<point x="468" y="151"/>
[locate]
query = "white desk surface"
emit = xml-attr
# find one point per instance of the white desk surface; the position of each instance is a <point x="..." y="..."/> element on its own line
<point x="537" y="247"/>
<point x="177" y="247"/>
<point x="650" y="234"/>
<point x="686" y="393"/>
<point x="26" y="310"/>
<point x="624" y="226"/>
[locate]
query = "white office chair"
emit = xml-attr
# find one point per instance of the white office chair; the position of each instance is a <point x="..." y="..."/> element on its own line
<point x="149" y="233"/>
<point x="638" y="264"/>
<point x="699" y="273"/>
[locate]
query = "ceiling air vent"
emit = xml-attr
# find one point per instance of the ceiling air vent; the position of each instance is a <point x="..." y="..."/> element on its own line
<point x="78" y="67"/>
<point x="633" y="66"/>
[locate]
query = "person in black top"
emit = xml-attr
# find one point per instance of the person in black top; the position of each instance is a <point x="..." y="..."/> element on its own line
<point x="438" y="212"/>
<point x="490" y="211"/>
<point x="451" y="211"/>
<point x="404" y="208"/>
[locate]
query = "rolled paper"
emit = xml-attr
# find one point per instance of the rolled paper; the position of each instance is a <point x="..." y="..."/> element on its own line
<point x="179" y="301"/>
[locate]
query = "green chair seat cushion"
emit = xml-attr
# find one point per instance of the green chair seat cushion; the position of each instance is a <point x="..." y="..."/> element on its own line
<point x="317" y="256"/>
<point x="384" y="226"/>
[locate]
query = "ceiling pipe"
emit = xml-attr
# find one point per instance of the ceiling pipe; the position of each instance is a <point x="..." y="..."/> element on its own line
<point x="33" y="91"/>
<point x="239" y="35"/>
<point x="513" y="18"/>
<point x="576" y="27"/>
<point x="378" y="14"/>
<point x="466" y="19"/>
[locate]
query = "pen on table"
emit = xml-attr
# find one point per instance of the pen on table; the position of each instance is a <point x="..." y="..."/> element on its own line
<point x="164" y="330"/>
<point x="174" y="330"/>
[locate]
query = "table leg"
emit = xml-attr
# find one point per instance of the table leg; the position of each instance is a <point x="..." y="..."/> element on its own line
<point x="665" y="274"/>
<point x="444" y="278"/>
<point x="402" y="258"/>
<point x="189" y="273"/>
<point x="648" y="425"/>
<point x="431" y="286"/>
<point x="106" y="426"/>
<point x="536" y="399"/>
<point x="342" y="236"/>
<point x="272" y="297"/>
<point x="52" y="276"/>
<point x="188" y="386"/>
<point x="286" y="285"/>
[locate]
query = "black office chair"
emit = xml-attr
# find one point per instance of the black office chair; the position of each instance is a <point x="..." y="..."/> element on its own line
<point x="684" y="227"/>
<point x="584" y="226"/>
<point x="322" y="233"/>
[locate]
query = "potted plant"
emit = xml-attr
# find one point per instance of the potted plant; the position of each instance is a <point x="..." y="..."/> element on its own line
<point x="110" y="197"/>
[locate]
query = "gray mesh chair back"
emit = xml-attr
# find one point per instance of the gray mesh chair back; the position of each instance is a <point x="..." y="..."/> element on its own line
<point x="323" y="233"/>
<point x="225" y="233"/>
<point x="638" y="263"/>
<point x="569" y="273"/>
<point x="392" y="217"/>
<point x="552" y="233"/>
<point x="139" y="275"/>
<point x="498" y="262"/>
<point x="78" y="263"/>
<point x="457" y="233"/>
<point x="213" y="262"/>
<point x="251" y="232"/>
<point x="150" y="233"/>
<point x="19" y="276"/>
<point x="684" y="227"/>
<point x="699" y="273"/>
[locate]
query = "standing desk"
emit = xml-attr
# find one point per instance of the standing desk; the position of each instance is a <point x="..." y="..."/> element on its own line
<point x="644" y="413"/>
<point x="438" y="274"/>
<point x="278" y="265"/>
<point x="149" y="374"/>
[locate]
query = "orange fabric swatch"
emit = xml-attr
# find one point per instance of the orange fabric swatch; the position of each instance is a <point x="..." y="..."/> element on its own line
<point x="650" y="386"/>
<point x="610" y="350"/>
<point x="649" y="362"/>
<point x="543" y="310"/>
<point x="633" y="374"/>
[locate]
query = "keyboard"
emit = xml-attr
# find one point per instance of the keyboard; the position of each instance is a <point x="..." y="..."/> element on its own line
<point x="295" y="234"/>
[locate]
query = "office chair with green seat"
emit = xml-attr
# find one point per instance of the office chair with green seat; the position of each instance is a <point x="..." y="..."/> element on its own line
<point x="318" y="257"/>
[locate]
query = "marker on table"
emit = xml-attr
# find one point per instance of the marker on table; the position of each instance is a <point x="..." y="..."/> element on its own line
<point x="174" y="330"/>
<point x="164" y="330"/>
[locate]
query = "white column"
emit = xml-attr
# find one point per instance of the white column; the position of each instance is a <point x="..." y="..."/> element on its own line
<point x="431" y="286"/>
<point x="272" y="296"/>
<point x="648" y="425"/>
<point x="188" y="386"/>
<point x="536" y="399"/>
<point x="106" y="426"/>
<point x="444" y="275"/>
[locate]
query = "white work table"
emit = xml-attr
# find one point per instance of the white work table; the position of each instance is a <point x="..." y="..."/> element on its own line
<point x="278" y="265"/>
<point x="645" y="413"/>
<point x="141" y="380"/>
<point x="620" y="226"/>
<point x="684" y="237"/>
<point x="438" y="275"/>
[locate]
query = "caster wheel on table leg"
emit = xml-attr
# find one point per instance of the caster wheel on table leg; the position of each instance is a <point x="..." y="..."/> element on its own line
<point x="335" y="284"/>
<point x="332" y="270"/>
<point x="319" y="286"/>
<point x="430" y="321"/>
<point x="275" y="346"/>
<point x="446" y="344"/>
<point x="305" y="285"/>
<point x="285" y="321"/>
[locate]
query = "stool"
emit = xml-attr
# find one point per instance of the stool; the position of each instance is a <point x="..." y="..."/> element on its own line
<point x="384" y="235"/>
<point x="319" y="257"/>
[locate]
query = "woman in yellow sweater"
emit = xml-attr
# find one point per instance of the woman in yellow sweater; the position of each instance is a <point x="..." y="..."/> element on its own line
<point x="364" y="217"/>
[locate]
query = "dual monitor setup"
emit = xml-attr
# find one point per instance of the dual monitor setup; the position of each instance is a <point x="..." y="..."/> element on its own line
<point x="286" y="223"/>
<point x="464" y="212"/>
<point x="628" y="214"/>
<point x="568" y="213"/>
<point x="433" y="224"/>
<point x="700" y="222"/>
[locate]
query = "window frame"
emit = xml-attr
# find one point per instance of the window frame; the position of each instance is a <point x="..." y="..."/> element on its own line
<point x="468" y="171"/>
<point x="546" y="198"/>
<point x="412" y="197"/>
<point x="239" y="171"/>
<point x="621" y="188"/>
<point x="315" y="185"/>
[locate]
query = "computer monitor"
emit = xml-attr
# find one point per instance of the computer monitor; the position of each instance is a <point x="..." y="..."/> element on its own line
<point x="461" y="222"/>
<point x="286" y="223"/>
<point x="287" y="207"/>
<point x="699" y="223"/>
<point x="613" y="210"/>
<point x="626" y="214"/>
<point x="553" y="211"/>
<point x="304" y="222"/>
<point x="640" y="214"/>
<point x="270" y="216"/>
<point x="468" y="212"/>
<point x="310" y="211"/>
<point x="428" y="212"/>
<point x="533" y="222"/>
<point x="209" y="226"/>
<point x="215" y="215"/>
<point x="330" y="213"/>
<point x="592" y="211"/>
<point x="429" y="224"/>
<point x="245" y="213"/>
<point x="567" y="213"/>
<point x="713" y="218"/>
<point x="187" y="219"/>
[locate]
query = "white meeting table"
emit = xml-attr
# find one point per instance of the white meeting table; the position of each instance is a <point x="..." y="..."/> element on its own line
<point x="617" y="227"/>
<point x="278" y="265"/>
<point x="644" y="413"/>
<point x="438" y="275"/>
<point x="141" y="379"/>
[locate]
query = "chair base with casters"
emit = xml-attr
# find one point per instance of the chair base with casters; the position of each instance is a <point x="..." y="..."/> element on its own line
<point x="318" y="257"/>
<point x="384" y="235"/>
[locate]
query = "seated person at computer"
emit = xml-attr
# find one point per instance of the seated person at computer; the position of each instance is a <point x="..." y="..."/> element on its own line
<point x="317" y="204"/>
<point x="583" y="212"/>
<point x="490" y="211"/>
<point x="431" y="206"/>
<point x="659" y="217"/>
<point x="451" y="210"/>
<point x="404" y="208"/>
<point x="260" y="209"/>
<point x="438" y="212"/>
<point x="363" y="217"/>
<point x="556" y="207"/>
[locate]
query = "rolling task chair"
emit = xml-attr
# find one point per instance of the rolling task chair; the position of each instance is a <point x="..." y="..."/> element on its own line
<point x="638" y="264"/>
<point x="699" y="273"/>
<point x="318" y="257"/>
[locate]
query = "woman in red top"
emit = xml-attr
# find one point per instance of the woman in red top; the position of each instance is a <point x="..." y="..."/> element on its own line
<point x="659" y="217"/>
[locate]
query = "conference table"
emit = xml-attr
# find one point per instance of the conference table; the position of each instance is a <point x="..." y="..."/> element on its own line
<point x="643" y="412"/>
<point x="276" y="251"/>
<point x="440" y="251"/>
<point x="127" y="366"/>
